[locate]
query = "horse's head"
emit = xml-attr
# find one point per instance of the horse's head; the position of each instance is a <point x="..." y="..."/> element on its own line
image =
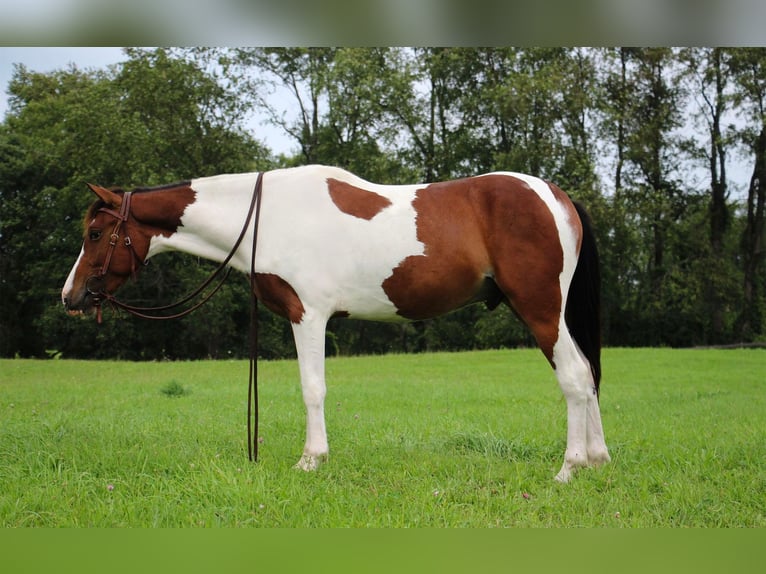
<point x="114" y="247"/>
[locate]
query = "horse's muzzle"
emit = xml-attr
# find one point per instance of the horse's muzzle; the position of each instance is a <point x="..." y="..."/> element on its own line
<point x="83" y="305"/>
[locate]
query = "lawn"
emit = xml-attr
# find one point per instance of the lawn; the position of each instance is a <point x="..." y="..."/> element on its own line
<point x="442" y="440"/>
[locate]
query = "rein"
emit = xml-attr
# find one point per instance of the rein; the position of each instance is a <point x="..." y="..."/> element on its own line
<point x="100" y="295"/>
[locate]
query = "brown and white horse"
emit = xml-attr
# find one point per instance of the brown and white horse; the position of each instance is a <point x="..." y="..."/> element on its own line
<point x="331" y="244"/>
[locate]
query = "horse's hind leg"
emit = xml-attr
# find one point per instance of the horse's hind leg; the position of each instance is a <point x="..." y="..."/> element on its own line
<point x="576" y="384"/>
<point x="598" y="453"/>
<point x="309" y="337"/>
<point x="585" y="436"/>
<point x="537" y="299"/>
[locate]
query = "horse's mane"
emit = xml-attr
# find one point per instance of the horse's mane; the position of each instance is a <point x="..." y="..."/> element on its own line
<point x="164" y="186"/>
<point x="100" y="203"/>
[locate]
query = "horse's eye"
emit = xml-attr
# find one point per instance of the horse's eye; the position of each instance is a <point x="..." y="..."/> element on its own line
<point x="94" y="234"/>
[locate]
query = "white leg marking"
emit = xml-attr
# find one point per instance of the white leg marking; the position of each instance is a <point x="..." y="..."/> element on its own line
<point x="597" y="450"/>
<point x="585" y="435"/>
<point x="576" y="383"/>
<point x="309" y="337"/>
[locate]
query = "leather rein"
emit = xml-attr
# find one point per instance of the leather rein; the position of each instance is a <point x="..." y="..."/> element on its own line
<point x="95" y="283"/>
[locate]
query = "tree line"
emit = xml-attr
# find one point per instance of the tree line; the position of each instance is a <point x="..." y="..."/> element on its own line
<point x="646" y="138"/>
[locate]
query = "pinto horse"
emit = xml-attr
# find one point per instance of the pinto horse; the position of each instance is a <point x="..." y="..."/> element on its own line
<point x="331" y="244"/>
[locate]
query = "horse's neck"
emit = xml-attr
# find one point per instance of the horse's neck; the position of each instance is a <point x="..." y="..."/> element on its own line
<point x="210" y="224"/>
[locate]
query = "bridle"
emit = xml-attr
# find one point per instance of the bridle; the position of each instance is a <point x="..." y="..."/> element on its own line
<point x="100" y="295"/>
<point x="95" y="283"/>
<point x="95" y="286"/>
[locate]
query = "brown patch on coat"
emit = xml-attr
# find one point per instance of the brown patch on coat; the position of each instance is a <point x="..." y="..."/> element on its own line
<point x="452" y="269"/>
<point x="163" y="207"/>
<point x="160" y="213"/>
<point x="491" y="226"/>
<point x="527" y="257"/>
<point x="356" y="201"/>
<point x="279" y="296"/>
<point x="153" y="212"/>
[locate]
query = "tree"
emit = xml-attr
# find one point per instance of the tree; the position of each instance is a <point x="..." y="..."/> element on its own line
<point x="749" y="65"/>
<point x="709" y="71"/>
<point x="49" y="142"/>
<point x="303" y="73"/>
<point x="646" y="98"/>
<point x="153" y="119"/>
<point x="682" y="261"/>
<point x="423" y="105"/>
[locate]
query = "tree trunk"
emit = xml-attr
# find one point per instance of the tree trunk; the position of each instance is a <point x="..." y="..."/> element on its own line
<point x="719" y="215"/>
<point x="753" y="243"/>
<point x="621" y="123"/>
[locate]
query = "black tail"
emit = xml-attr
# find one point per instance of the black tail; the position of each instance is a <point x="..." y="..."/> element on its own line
<point x="583" y="312"/>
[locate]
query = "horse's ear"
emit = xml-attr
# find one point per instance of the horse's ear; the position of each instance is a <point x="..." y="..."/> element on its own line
<point x="110" y="197"/>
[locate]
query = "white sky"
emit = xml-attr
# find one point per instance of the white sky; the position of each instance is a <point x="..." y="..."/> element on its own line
<point x="48" y="59"/>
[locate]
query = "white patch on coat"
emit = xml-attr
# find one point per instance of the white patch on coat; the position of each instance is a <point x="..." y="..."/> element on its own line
<point x="334" y="261"/>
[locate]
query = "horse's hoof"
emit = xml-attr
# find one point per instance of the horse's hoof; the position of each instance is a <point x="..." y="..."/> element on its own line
<point x="599" y="457"/>
<point x="308" y="463"/>
<point x="563" y="476"/>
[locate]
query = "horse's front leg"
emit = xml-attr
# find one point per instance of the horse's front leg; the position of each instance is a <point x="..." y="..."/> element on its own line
<point x="309" y="337"/>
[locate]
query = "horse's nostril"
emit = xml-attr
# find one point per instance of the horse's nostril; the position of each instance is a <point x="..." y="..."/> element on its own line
<point x="67" y="301"/>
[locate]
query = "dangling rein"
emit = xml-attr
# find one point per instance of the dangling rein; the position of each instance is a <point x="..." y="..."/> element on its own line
<point x="150" y="312"/>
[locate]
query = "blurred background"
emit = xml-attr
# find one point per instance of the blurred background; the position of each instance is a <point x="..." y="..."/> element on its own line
<point x="665" y="146"/>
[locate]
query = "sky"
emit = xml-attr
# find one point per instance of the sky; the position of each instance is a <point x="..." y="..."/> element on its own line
<point x="48" y="59"/>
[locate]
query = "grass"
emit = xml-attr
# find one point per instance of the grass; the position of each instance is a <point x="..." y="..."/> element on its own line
<point x="465" y="439"/>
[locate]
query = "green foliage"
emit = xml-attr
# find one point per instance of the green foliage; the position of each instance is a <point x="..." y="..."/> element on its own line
<point x="155" y="119"/>
<point x="682" y="261"/>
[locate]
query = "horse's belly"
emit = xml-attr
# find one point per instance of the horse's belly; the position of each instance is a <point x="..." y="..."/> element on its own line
<point x="361" y="296"/>
<point x="415" y="290"/>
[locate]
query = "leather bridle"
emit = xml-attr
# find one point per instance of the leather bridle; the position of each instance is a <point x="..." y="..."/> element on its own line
<point x="95" y="285"/>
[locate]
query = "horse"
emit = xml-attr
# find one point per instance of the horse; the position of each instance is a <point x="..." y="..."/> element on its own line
<point x="331" y="244"/>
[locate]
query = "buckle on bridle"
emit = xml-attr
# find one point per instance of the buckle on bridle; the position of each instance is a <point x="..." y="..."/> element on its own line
<point x="98" y="294"/>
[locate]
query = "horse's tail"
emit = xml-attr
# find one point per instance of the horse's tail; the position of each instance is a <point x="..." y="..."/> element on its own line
<point x="583" y="311"/>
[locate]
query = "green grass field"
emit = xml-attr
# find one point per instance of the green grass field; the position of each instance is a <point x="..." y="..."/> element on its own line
<point x="442" y="440"/>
